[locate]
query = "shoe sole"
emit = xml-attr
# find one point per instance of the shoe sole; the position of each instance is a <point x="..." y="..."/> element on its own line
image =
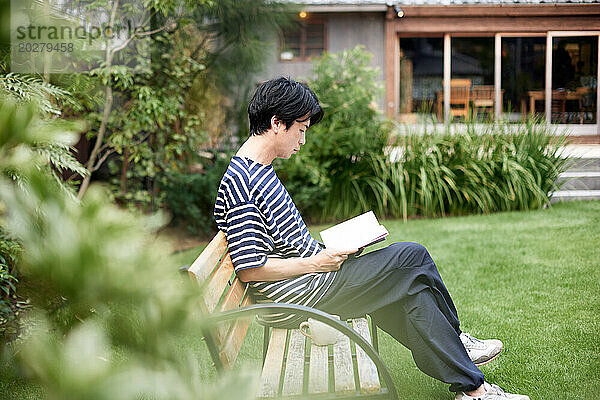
<point x="491" y="359"/>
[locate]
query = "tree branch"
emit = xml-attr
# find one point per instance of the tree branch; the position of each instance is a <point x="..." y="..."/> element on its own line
<point x="139" y="34"/>
<point x="102" y="159"/>
<point x="153" y="32"/>
<point x="107" y="110"/>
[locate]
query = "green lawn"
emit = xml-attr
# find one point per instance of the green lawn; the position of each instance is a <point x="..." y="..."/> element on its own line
<point x="531" y="279"/>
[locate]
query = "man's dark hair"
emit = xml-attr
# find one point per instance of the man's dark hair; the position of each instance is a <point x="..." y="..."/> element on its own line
<point x="287" y="100"/>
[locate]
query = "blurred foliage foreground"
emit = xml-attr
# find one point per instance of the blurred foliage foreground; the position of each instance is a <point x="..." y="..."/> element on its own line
<point x="120" y="312"/>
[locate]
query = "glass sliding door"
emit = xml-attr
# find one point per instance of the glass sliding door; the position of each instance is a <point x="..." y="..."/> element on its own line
<point x="421" y="76"/>
<point x="523" y="79"/>
<point x="574" y="80"/>
<point x="551" y="76"/>
<point x="472" y="78"/>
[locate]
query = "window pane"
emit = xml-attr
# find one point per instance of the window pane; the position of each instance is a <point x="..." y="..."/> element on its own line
<point x="291" y="38"/>
<point x="574" y="85"/>
<point x="472" y="78"/>
<point x="290" y="45"/>
<point x="421" y="76"/>
<point x="308" y="40"/>
<point x="523" y="77"/>
<point x="314" y="52"/>
<point x="315" y="40"/>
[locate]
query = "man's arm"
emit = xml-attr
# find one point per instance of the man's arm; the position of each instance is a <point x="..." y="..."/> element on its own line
<point x="276" y="269"/>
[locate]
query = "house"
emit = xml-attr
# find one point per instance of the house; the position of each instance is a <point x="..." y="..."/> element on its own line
<point x="463" y="59"/>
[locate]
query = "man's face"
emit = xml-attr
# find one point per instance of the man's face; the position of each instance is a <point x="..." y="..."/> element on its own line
<point x="292" y="139"/>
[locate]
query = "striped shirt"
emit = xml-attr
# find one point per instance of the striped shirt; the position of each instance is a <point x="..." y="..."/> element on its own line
<point x="260" y="221"/>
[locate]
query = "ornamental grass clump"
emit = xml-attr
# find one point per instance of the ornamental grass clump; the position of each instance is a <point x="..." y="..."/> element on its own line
<point x="481" y="169"/>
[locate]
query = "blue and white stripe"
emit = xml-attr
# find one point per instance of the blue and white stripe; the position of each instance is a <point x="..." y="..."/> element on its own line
<point x="260" y="220"/>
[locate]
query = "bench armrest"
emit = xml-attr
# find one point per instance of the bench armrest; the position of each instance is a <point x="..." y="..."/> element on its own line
<point x="319" y="316"/>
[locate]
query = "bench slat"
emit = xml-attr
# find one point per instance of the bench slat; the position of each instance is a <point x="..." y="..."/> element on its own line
<point x="234" y="295"/>
<point x="234" y="340"/>
<point x="367" y="371"/>
<point x="217" y="284"/>
<point x="343" y="369"/>
<point x="318" y="372"/>
<point x="271" y="373"/>
<point x="204" y="265"/>
<point x="294" y="367"/>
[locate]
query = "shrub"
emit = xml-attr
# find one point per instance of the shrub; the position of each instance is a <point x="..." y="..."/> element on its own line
<point x="190" y="197"/>
<point x="336" y="175"/>
<point x="9" y="253"/>
<point x="12" y="304"/>
<point x="307" y="182"/>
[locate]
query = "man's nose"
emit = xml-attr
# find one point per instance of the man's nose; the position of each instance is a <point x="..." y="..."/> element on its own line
<point x="302" y="138"/>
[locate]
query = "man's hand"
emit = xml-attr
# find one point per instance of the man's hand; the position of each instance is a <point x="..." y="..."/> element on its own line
<point x="330" y="259"/>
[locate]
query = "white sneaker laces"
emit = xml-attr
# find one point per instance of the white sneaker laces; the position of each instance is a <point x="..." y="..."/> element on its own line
<point x="472" y="342"/>
<point x="490" y="389"/>
<point x="496" y="390"/>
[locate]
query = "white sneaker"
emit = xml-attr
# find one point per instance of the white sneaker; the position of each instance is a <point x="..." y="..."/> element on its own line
<point x="492" y="392"/>
<point x="481" y="351"/>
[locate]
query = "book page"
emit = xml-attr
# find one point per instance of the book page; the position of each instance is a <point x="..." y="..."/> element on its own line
<point x="354" y="233"/>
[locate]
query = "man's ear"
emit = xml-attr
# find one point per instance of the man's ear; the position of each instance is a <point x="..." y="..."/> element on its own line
<point x="276" y="124"/>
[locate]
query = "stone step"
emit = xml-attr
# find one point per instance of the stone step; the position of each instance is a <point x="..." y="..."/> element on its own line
<point x="569" y="195"/>
<point x="583" y="164"/>
<point x="579" y="180"/>
<point x="581" y="151"/>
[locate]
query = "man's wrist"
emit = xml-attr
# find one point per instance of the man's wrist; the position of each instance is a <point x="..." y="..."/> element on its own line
<point x="308" y="263"/>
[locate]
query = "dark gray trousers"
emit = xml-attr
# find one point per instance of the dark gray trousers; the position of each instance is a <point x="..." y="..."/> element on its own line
<point x="401" y="289"/>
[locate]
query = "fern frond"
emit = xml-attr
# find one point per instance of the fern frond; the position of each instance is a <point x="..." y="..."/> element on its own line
<point x="29" y="88"/>
<point x="60" y="157"/>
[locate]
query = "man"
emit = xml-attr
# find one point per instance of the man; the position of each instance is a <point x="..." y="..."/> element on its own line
<point x="272" y="250"/>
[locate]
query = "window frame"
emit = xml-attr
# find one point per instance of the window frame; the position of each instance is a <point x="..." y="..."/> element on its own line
<point x="549" y="54"/>
<point x="302" y="24"/>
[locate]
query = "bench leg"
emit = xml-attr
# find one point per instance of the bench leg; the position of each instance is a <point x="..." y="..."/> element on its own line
<point x="374" y="338"/>
<point x="266" y="332"/>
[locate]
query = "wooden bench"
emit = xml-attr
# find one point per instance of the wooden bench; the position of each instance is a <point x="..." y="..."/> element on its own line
<point x="292" y="366"/>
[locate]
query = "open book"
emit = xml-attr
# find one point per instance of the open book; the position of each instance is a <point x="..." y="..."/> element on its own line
<point x="355" y="233"/>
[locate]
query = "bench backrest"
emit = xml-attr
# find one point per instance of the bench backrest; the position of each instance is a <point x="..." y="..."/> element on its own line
<point x="221" y="291"/>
